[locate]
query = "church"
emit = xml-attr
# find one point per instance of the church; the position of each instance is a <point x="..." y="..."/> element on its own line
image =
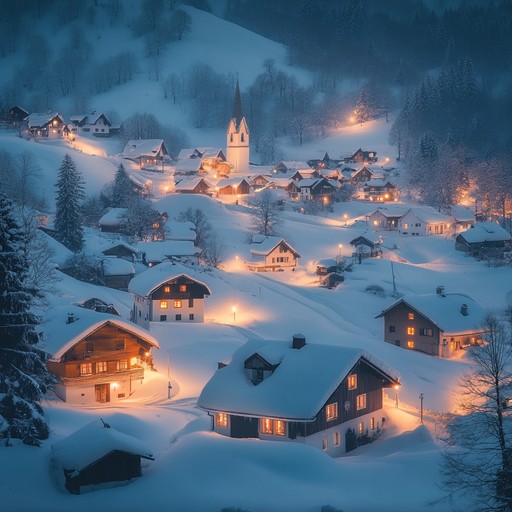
<point x="237" y="145"/>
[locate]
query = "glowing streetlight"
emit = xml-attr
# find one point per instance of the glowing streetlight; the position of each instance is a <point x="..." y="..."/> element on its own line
<point x="233" y="308"/>
<point x="345" y="216"/>
<point x="340" y="247"/>
<point x="397" y="387"/>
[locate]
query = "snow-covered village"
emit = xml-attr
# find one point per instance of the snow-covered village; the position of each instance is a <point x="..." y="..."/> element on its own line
<point x="255" y="256"/>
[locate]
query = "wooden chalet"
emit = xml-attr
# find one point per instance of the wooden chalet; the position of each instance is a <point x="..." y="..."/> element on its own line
<point x="232" y="187"/>
<point x="259" y="181"/>
<point x="117" y="272"/>
<point x="96" y="357"/>
<point x="97" y="124"/>
<point x="484" y="239"/>
<point x="340" y="390"/>
<point x="271" y="253"/>
<point x="99" y="306"/>
<point x="192" y="186"/>
<point x="315" y="189"/>
<point x="47" y="125"/>
<point x="114" y="221"/>
<point x="155" y="252"/>
<point x="380" y="190"/>
<point x="13" y="117"/>
<point x="361" y="156"/>
<point x="368" y="245"/>
<point x="121" y="250"/>
<point x="361" y="175"/>
<point x="437" y="324"/>
<point x="163" y="295"/>
<point x="97" y="456"/>
<point x="305" y="174"/>
<point x="149" y="153"/>
<point x="291" y="166"/>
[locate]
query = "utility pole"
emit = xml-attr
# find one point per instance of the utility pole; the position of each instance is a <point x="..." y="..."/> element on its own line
<point x="421" y="407"/>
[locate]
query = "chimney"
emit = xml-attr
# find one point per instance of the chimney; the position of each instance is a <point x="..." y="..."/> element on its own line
<point x="71" y="318"/>
<point x="464" y="310"/>
<point x="298" y="341"/>
<point x="440" y="291"/>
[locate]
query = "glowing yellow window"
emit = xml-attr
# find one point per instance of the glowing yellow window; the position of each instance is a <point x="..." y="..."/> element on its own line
<point x="183" y="287"/>
<point x="164" y="304"/>
<point x="266" y="426"/>
<point x="101" y="367"/>
<point x="361" y="401"/>
<point x="411" y="316"/>
<point x="221" y="419"/>
<point x="410" y="344"/>
<point x="167" y="289"/>
<point x="331" y="411"/>
<point x="279" y="428"/>
<point x="177" y="304"/>
<point x="352" y="381"/>
<point x="410" y="331"/>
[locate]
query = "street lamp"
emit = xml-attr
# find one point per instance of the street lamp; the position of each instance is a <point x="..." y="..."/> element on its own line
<point x="339" y="247"/>
<point x="345" y="216"/>
<point x="397" y="387"/>
<point x="233" y="308"/>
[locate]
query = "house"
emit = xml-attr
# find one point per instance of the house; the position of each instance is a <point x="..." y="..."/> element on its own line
<point x="122" y="250"/>
<point x="114" y="221"/>
<point x="98" y="456"/>
<point x="437" y="324"/>
<point x="271" y="253"/>
<point x="303" y="174"/>
<point x="380" y="190"/>
<point x="14" y="117"/>
<point x="484" y="239"/>
<point x="367" y="245"/>
<point x="361" y="156"/>
<point x="156" y="252"/>
<point x="97" y="124"/>
<point x="361" y="175"/>
<point x="96" y="357"/>
<point x="325" y="164"/>
<point x="192" y="186"/>
<point x="289" y="167"/>
<point x="463" y="218"/>
<point x="117" y="272"/>
<point x="163" y="294"/>
<point x="99" y="305"/>
<point x="386" y="217"/>
<point x="232" y="186"/>
<point x="315" y="189"/>
<point x="48" y="125"/>
<point x="259" y="181"/>
<point x="326" y="396"/>
<point x="146" y="152"/>
<point x="424" y="222"/>
<point x="203" y="160"/>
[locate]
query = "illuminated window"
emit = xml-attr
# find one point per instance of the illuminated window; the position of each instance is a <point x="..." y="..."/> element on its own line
<point x="410" y="344"/>
<point x="279" y="428"/>
<point x="101" y="367"/>
<point x="167" y="289"/>
<point x="410" y="330"/>
<point x="122" y="365"/>
<point x="411" y="316"/>
<point x="183" y="287"/>
<point x="266" y="426"/>
<point x="406" y="226"/>
<point x="331" y="411"/>
<point x="134" y="361"/>
<point x="164" y="304"/>
<point x="273" y="427"/>
<point x="178" y="304"/>
<point x="360" y="428"/>
<point x="361" y="401"/>
<point x="352" y="381"/>
<point x="221" y="420"/>
<point x="86" y="369"/>
<point x="156" y="225"/>
<point x="336" y="438"/>
<point x="372" y="423"/>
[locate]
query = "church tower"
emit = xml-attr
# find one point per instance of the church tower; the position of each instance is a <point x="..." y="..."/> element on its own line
<point x="237" y="147"/>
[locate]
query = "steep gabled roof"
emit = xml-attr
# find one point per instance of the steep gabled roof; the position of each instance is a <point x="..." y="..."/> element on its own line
<point x="38" y="120"/>
<point x="485" y="232"/>
<point x="238" y="113"/>
<point x="263" y="245"/>
<point x="143" y="147"/>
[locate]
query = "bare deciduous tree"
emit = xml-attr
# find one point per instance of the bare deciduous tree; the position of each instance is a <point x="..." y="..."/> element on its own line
<point x="266" y="215"/>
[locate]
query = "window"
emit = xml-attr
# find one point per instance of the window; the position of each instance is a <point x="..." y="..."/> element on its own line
<point x="86" y="369"/>
<point x="325" y="443"/>
<point x="167" y="289"/>
<point x="178" y="317"/>
<point x="134" y="361"/>
<point x="331" y="411"/>
<point x="410" y="344"/>
<point x="177" y="304"/>
<point x="360" y="428"/>
<point x="101" y="366"/>
<point x="183" y="287"/>
<point x="273" y="427"/>
<point x="392" y="328"/>
<point x="164" y="304"/>
<point x="410" y="316"/>
<point x="119" y="344"/>
<point x="221" y="420"/>
<point x="372" y="423"/>
<point x="352" y="381"/>
<point x="426" y="332"/>
<point x="163" y="318"/>
<point x="122" y="365"/>
<point x="191" y="316"/>
<point x="406" y="226"/>
<point x="336" y="439"/>
<point x="361" y="401"/>
<point x="190" y="303"/>
<point x="89" y="347"/>
<point x="410" y="331"/>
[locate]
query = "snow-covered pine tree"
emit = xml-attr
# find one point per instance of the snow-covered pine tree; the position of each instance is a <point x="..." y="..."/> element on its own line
<point x="122" y="190"/>
<point x="23" y="373"/>
<point x="70" y="192"/>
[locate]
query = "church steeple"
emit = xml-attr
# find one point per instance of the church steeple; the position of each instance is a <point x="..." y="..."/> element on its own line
<point x="238" y="112"/>
<point x="237" y="145"/>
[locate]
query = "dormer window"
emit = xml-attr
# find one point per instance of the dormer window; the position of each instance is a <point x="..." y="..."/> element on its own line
<point x="257" y="369"/>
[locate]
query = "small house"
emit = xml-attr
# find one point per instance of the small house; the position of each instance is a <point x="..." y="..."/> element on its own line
<point x="97" y="124"/>
<point x="146" y="152"/>
<point x="361" y="156"/>
<point x="367" y="245"/>
<point x="163" y="295"/>
<point x="232" y="186"/>
<point x="326" y="396"/>
<point x="315" y="189"/>
<point x="304" y="174"/>
<point x="424" y="222"/>
<point x="386" y="217"/>
<point x="114" y="221"/>
<point x="96" y="357"/>
<point x="484" y="239"/>
<point x="361" y="175"/>
<point x="289" y="167"/>
<point x="192" y="186"/>
<point x="380" y="190"/>
<point x="117" y="272"/>
<point x="98" y="456"/>
<point x="48" y="125"/>
<point x="96" y="304"/>
<point x="271" y="253"/>
<point x="13" y="117"/>
<point x="122" y="250"/>
<point x="183" y="251"/>
<point x="259" y="181"/>
<point x="437" y="324"/>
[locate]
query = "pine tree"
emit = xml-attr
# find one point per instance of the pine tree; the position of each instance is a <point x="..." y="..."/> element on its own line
<point x="23" y="374"/>
<point x="70" y="191"/>
<point x="122" y="191"/>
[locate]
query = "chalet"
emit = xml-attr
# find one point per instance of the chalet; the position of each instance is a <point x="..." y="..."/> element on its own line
<point x="361" y="156"/>
<point x="271" y="253"/>
<point x="117" y="272"/>
<point x="289" y="167"/>
<point x="200" y="153"/>
<point x="329" y="397"/>
<point x="97" y="456"/>
<point x="361" y="175"/>
<point x="325" y="164"/>
<point x="48" y="125"/>
<point x="114" y="221"/>
<point x="97" y="358"/>
<point x="232" y="186"/>
<point x="14" y="117"/>
<point x="258" y="181"/>
<point x="153" y="253"/>
<point x="484" y="239"/>
<point x="122" y="250"/>
<point x="424" y="222"/>
<point x="99" y="305"/>
<point x="162" y="295"/>
<point x="463" y="218"/>
<point x="315" y="189"/>
<point x="97" y="124"/>
<point x="380" y="190"/>
<point x="367" y="245"/>
<point x="304" y="174"/>
<point x="437" y="324"/>
<point x="386" y="217"/>
<point x="146" y="152"/>
<point x="192" y="186"/>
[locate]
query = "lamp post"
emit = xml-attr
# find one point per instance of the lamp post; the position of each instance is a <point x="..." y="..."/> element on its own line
<point x="233" y="308"/>
<point x="345" y="216"/>
<point x="397" y="387"/>
<point x="421" y="407"/>
<point x="339" y="251"/>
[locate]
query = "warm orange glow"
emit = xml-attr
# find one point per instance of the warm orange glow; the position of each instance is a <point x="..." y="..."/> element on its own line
<point x="410" y="344"/>
<point x="221" y="420"/>
<point x="164" y="304"/>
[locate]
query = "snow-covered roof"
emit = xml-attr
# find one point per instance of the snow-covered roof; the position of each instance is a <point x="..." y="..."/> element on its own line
<point x="461" y="214"/>
<point x="429" y="215"/>
<point x="91" y="443"/>
<point x="226" y="182"/>
<point x="446" y="311"/>
<point x="262" y="245"/>
<point x="298" y="387"/>
<point x="485" y="232"/>
<point x="189" y="183"/>
<point x="293" y="164"/>
<point x="142" y="147"/>
<point x="144" y="283"/>
<point x="117" y="267"/>
<point x="59" y="336"/>
<point x="378" y="183"/>
<point x="390" y="211"/>
<point x="181" y="231"/>
<point x="107" y="243"/>
<point x="38" y="119"/>
<point x="113" y="217"/>
<point x="159" y="251"/>
<point x="310" y="182"/>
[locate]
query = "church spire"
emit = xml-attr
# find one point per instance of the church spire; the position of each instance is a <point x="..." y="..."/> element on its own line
<point x="238" y="113"/>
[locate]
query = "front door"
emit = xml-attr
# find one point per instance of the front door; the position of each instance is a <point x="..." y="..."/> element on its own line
<point x="243" y="427"/>
<point x="102" y="392"/>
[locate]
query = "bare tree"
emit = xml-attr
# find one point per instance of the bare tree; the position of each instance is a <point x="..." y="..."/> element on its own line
<point x="201" y="225"/>
<point x="478" y="460"/>
<point x="266" y="215"/>
<point x="180" y="23"/>
<point x="213" y="250"/>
